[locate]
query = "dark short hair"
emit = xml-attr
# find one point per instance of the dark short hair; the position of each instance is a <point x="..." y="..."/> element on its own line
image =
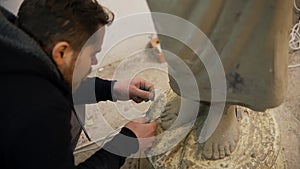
<point x="51" y="21"/>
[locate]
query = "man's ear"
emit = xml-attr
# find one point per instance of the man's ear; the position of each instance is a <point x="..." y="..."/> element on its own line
<point x="62" y="53"/>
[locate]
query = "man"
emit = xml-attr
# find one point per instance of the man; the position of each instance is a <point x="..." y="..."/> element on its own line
<point x="40" y="51"/>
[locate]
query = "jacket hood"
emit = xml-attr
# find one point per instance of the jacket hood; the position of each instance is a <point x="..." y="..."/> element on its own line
<point x="21" y="54"/>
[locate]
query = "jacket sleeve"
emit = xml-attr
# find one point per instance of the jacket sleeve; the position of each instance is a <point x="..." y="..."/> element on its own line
<point x="114" y="153"/>
<point x="93" y="90"/>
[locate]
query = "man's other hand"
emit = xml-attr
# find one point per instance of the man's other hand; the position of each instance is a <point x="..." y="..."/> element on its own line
<point x="144" y="132"/>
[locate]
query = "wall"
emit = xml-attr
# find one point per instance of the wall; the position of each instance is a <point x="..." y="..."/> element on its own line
<point x="125" y="11"/>
<point x="117" y="44"/>
<point x="11" y="5"/>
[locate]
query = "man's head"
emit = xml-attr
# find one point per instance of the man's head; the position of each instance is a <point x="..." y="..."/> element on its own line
<point x="62" y="27"/>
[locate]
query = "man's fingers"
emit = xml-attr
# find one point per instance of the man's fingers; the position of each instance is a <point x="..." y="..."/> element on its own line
<point x="147" y="86"/>
<point x="141" y="90"/>
<point x="137" y="99"/>
<point x="143" y="84"/>
<point x="141" y="94"/>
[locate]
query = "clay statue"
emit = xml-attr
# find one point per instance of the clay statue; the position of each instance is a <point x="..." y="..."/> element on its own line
<point x="249" y="37"/>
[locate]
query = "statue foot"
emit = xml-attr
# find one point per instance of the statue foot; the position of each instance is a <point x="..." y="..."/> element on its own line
<point x="171" y="111"/>
<point x="224" y="139"/>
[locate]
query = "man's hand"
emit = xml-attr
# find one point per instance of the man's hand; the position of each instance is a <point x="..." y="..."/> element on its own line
<point x="144" y="132"/>
<point x="136" y="89"/>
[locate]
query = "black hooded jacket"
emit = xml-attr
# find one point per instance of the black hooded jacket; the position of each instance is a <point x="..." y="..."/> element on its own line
<point x="36" y="108"/>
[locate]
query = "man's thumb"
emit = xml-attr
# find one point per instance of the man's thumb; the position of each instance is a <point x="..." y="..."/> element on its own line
<point x="141" y="120"/>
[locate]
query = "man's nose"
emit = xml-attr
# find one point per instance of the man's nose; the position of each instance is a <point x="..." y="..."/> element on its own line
<point x="94" y="60"/>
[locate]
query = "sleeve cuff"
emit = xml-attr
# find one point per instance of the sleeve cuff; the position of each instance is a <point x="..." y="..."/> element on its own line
<point x="123" y="144"/>
<point x="104" y="89"/>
